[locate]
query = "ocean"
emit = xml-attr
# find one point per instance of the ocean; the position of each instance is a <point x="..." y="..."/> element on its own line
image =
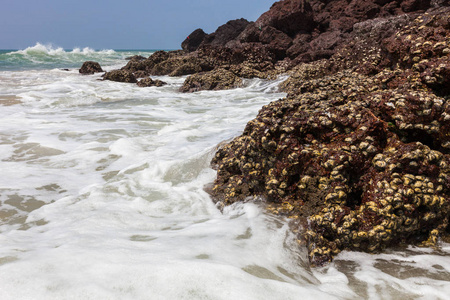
<point x="102" y="196"/>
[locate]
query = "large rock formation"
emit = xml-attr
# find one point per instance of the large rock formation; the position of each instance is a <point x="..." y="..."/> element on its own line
<point x="359" y="150"/>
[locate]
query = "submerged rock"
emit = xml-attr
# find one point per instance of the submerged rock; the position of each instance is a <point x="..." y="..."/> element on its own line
<point x="147" y="82"/>
<point x="90" y="67"/>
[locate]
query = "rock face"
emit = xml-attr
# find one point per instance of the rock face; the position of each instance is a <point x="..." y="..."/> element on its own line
<point x="193" y="40"/>
<point x="359" y="150"/>
<point x="90" y="67"/>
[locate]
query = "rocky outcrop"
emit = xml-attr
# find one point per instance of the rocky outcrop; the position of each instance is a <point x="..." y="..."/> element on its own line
<point x="226" y="32"/>
<point x="173" y="63"/>
<point x="218" y="79"/>
<point x="147" y="82"/>
<point x="358" y="153"/>
<point x="193" y="41"/>
<point x="120" y="76"/>
<point x="90" y="67"/>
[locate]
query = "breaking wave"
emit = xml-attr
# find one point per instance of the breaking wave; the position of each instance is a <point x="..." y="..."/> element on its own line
<point x="42" y="56"/>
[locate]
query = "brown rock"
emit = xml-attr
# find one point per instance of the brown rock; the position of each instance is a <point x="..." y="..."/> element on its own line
<point x="147" y="82"/>
<point x="90" y="67"/>
<point x="193" y="40"/>
<point x="218" y="79"/>
<point x="120" y="76"/>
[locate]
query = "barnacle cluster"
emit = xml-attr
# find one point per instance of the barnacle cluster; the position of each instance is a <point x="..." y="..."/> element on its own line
<point x="361" y="160"/>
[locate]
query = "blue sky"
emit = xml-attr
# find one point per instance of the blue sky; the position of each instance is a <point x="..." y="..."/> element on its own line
<point x="114" y="24"/>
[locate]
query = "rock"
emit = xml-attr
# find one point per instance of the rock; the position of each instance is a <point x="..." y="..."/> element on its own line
<point x="226" y="32"/>
<point x="136" y="57"/>
<point x="147" y="82"/>
<point x="193" y="40"/>
<point x="181" y="65"/>
<point x="120" y="76"/>
<point x="289" y="16"/>
<point x="218" y="79"/>
<point x="90" y="67"/>
<point x="359" y="150"/>
<point x="277" y="41"/>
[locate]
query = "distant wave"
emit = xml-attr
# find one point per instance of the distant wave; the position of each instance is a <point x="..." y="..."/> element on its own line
<point x="40" y="49"/>
<point x="48" y="56"/>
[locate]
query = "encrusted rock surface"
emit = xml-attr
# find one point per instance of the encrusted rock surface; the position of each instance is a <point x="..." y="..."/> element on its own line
<point x="219" y="79"/>
<point x="147" y="82"/>
<point x="359" y="150"/>
<point x="120" y="76"/>
<point x="90" y="67"/>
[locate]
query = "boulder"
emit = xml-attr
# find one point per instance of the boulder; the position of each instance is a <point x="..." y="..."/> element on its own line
<point x="226" y="32"/>
<point x="193" y="40"/>
<point x="90" y="67"/>
<point x="120" y="76"/>
<point x="289" y="16"/>
<point x="136" y="57"/>
<point x="147" y="82"/>
<point x="218" y="79"/>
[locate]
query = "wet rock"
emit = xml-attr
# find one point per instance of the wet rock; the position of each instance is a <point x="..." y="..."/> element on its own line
<point x="136" y="57"/>
<point x="147" y="82"/>
<point x="90" y="67"/>
<point x="120" y="76"/>
<point x="358" y="153"/>
<point x="218" y="79"/>
<point x="181" y="65"/>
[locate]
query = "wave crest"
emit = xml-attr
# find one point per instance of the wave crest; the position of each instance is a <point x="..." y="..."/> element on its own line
<point x="44" y="56"/>
<point x="49" y="49"/>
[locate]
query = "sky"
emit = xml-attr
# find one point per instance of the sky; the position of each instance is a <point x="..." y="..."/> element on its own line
<point x="114" y="24"/>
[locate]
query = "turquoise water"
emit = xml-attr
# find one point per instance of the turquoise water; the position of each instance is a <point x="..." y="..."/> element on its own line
<point x="41" y="57"/>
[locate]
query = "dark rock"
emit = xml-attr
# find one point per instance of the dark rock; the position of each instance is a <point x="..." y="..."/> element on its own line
<point x="147" y="82"/>
<point x="90" y="67"/>
<point x="218" y="79"/>
<point x="226" y="32"/>
<point x="290" y="17"/>
<point x="136" y="57"/>
<point x="193" y="40"/>
<point x="277" y="41"/>
<point x="120" y="76"/>
<point x="181" y="65"/>
<point x="140" y="74"/>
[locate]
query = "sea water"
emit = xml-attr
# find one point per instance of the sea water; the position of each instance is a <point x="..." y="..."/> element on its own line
<point x="102" y="197"/>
